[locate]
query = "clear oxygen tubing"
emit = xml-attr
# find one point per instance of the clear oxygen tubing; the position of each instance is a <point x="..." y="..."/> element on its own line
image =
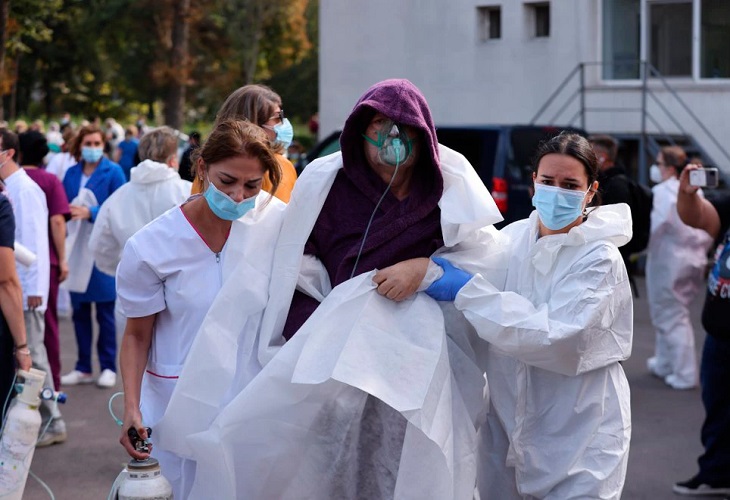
<point x="7" y="400"/>
<point x="372" y="216"/>
<point x="111" y="411"/>
<point x="120" y="477"/>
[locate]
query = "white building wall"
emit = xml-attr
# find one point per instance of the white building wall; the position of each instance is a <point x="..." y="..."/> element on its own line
<point x="436" y="45"/>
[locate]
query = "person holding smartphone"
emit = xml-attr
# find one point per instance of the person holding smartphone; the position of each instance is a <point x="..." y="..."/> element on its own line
<point x="713" y="217"/>
<point x="676" y="260"/>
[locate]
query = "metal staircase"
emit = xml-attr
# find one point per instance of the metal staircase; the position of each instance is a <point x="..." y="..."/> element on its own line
<point x="653" y="113"/>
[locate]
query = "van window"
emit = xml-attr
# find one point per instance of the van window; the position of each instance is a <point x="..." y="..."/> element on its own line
<point x="478" y="146"/>
<point x="524" y="142"/>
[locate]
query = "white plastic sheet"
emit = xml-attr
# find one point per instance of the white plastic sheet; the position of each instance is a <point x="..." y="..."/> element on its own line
<point x="79" y="256"/>
<point x="304" y="428"/>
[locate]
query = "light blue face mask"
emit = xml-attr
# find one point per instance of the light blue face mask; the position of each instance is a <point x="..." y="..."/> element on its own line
<point x="284" y="133"/>
<point x="224" y="207"/>
<point x="557" y="207"/>
<point x="91" y="155"/>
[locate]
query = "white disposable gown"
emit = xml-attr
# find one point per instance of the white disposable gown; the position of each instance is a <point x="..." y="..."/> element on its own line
<point x="676" y="260"/>
<point x="264" y="420"/>
<point x="559" y="422"/>
<point x="168" y="270"/>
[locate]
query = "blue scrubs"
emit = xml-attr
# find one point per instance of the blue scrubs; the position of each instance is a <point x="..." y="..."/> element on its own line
<point x="106" y="179"/>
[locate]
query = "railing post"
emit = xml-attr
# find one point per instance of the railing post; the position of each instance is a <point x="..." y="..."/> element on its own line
<point x="643" y="177"/>
<point x="582" y="96"/>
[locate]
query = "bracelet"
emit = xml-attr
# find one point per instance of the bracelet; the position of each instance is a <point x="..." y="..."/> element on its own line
<point x="24" y="352"/>
<point x="21" y="346"/>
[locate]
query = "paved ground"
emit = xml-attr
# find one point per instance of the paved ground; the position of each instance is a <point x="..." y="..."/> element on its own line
<point x="664" y="448"/>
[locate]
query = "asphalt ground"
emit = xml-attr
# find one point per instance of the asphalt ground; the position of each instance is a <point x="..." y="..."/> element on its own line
<point x="664" y="448"/>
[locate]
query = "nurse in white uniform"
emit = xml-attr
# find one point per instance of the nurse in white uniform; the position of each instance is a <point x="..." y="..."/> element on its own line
<point x="559" y="422"/>
<point x="172" y="269"/>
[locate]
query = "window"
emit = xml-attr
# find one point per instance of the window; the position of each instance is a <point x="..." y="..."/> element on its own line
<point x="715" y="39"/>
<point x="538" y="19"/>
<point x="621" y="37"/>
<point x="542" y="20"/>
<point x="490" y="23"/>
<point x="670" y="37"/>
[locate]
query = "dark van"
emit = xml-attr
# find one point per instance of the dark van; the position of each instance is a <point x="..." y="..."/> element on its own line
<point x="500" y="154"/>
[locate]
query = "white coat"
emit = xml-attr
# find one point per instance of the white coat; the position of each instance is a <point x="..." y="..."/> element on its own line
<point x="264" y="420"/>
<point x="31" y="231"/>
<point x="168" y="270"/>
<point x="153" y="189"/>
<point x="559" y="424"/>
<point x="676" y="260"/>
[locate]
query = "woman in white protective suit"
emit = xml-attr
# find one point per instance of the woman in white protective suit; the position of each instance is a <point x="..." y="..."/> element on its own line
<point x="676" y="260"/>
<point x="559" y="422"/>
<point x="172" y="269"/>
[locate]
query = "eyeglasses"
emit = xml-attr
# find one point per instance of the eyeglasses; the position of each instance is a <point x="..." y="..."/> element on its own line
<point x="279" y="117"/>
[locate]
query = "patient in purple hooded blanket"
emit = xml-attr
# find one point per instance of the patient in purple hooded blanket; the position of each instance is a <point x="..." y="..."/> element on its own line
<point x="406" y="225"/>
<point x="390" y="181"/>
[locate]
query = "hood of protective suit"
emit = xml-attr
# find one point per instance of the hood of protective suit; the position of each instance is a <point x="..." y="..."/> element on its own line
<point x="149" y="172"/>
<point x="609" y="222"/>
<point x="402" y="102"/>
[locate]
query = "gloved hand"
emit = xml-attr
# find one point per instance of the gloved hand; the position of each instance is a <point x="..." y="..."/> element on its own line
<point x="446" y="287"/>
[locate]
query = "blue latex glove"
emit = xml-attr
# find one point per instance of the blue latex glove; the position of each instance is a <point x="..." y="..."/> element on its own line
<point x="446" y="287"/>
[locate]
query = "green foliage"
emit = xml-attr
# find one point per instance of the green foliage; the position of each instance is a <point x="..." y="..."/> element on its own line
<point x="111" y="57"/>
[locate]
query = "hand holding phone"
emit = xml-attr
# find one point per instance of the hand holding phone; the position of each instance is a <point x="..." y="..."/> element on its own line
<point x="704" y="177"/>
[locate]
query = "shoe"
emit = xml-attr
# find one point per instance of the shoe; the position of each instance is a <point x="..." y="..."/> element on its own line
<point x="107" y="379"/>
<point x="76" y="377"/>
<point x="653" y="365"/>
<point x="695" y="487"/>
<point x="675" y="383"/>
<point x="56" y="433"/>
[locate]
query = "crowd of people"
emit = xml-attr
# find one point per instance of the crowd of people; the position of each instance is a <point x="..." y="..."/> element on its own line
<point x="270" y="323"/>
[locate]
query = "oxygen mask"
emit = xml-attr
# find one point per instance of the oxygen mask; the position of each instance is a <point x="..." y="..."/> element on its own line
<point x="394" y="145"/>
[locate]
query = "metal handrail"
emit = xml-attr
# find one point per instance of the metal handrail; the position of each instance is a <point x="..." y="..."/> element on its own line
<point x="689" y="111"/>
<point x="647" y="70"/>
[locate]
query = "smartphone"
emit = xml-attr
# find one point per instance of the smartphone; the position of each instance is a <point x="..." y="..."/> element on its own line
<point x="704" y="177"/>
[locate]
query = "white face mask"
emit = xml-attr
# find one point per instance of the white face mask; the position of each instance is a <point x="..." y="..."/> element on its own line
<point x="655" y="174"/>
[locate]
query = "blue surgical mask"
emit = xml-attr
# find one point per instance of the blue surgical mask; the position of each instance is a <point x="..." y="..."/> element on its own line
<point x="224" y="207"/>
<point x="557" y="207"/>
<point x="91" y="155"/>
<point x="284" y="133"/>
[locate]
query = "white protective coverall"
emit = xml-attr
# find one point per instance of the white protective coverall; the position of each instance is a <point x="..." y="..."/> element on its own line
<point x="153" y="189"/>
<point x="676" y="260"/>
<point x="168" y="270"/>
<point x="559" y="422"/>
<point x="291" y="429"/>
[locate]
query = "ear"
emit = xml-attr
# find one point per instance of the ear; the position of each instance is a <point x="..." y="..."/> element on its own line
<point x="534" y="177"/>
<point x="200" y="169"/>
<point x="592" y="192"/>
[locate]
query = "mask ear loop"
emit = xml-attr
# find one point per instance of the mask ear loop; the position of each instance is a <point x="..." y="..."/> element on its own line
<point x="375" y="210"/>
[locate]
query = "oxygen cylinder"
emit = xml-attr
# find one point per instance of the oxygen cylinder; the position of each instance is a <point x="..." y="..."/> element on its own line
<point x="20" y="435"/>
<point x="143" y="480"/>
